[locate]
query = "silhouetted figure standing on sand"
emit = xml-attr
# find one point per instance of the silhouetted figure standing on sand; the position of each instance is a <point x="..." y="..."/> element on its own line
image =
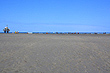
<point x="6" y="30"/>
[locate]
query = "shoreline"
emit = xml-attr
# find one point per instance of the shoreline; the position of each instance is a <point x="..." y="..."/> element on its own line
<point x="51" y="34"/>
<point x="57" y="32"/>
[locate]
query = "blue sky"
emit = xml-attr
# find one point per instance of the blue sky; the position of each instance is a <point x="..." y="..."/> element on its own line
<point x="55" y="15"/>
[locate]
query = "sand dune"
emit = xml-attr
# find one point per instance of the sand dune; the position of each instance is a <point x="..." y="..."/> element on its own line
<point x="54" y="53"/>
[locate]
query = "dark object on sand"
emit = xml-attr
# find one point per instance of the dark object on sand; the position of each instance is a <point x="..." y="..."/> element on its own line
<point x="104" y="33"/>
<point x="56" y="32"/>
<point x="6" y="30"/>
<point x="95" y="33"/>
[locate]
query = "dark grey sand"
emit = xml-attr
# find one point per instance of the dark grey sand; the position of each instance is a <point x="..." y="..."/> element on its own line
<point x="54" y="53"/>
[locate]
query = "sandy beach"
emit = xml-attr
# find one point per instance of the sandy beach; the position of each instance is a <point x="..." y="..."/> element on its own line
<point x="54" y="53"/>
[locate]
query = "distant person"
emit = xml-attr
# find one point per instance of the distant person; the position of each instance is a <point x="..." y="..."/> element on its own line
<point x="8" y="30"/>
<point x="4" y="30"/>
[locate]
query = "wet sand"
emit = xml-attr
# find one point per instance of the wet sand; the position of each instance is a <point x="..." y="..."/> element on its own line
<point x="54" y="53"/>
